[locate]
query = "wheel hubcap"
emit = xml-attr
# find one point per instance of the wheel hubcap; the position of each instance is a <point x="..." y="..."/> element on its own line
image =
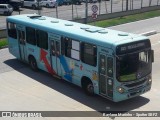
<point x="90" y="88"/>
<point x="33" y="64"/>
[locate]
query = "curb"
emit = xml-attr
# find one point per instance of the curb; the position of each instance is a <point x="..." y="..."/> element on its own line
<point x="4" y="47"/>
<point x="149" y="33"/>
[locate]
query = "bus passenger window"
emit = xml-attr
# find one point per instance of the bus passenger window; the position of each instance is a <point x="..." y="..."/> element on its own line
<point x="30" y="36"/>
<point x="42" y="39"/>
<point x="53" y="48"/>
<point x="57" y="48"/>
<point x="89" y="54"/>
<point x="68" y="47"/>
<point x="21" y="37"/>
<point x="71" y="48"/>
<point x="12" y="32"/>
<point x="75" y="52"/>
<point x="62" y="45"/>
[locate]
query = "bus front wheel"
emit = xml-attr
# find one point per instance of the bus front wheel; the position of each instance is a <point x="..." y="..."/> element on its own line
<point x="33" y="63"/>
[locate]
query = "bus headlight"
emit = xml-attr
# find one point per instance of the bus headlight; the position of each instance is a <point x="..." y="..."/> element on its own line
<point x="149" y="81"/>
<point x="120" y="90"/>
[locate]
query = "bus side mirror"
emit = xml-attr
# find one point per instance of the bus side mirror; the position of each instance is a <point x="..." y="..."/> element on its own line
<point x="152" y="55"/>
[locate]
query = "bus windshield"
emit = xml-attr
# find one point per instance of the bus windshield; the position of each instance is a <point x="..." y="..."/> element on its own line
<point x="133" y="66"/>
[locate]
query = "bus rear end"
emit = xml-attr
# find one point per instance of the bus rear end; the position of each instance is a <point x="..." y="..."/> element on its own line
<point x="133" y="69"/>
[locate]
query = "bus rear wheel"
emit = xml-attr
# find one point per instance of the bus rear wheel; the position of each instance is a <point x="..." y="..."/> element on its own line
<point x="33" y="63"/>
<point x="88" y="87"/>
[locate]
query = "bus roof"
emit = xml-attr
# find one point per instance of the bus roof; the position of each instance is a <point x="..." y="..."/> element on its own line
<point x="92" y="34"/>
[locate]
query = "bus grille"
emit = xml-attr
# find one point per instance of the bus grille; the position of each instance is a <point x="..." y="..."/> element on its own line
<point x="135" y="84"/>
<point x="135" y="89"/>
<point x="134" y="93"/>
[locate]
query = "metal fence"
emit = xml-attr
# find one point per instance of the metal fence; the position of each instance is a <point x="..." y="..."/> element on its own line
<point x="72" y="12"/>
<point x="106" y="10"/>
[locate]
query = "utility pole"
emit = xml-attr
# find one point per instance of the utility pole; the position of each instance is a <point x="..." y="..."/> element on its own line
<point x="72" y="11"/>
<point x="150" y="1"/>
<point x="122" y="5"/>
<point x="38" y="7"/>
<point x="86" y="15"/>
<point x="111" y="5"/>
<point x="157" y="2"/>
<point x="141" y="4"/>
<point x="56" y="10"/>
<point x="39" y="11"/>
<point x="126" y="5"/>
<point x="99" y="6"/>
<point x="106" y="6"/>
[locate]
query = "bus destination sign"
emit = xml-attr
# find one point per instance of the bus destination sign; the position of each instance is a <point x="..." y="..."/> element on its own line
<point x="131" y="47"/>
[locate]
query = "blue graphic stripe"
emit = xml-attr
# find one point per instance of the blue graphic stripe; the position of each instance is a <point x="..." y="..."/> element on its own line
<point x="66" y="68"/>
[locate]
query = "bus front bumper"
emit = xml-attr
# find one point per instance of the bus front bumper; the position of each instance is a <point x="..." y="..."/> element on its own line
<point x="130" y="94"/>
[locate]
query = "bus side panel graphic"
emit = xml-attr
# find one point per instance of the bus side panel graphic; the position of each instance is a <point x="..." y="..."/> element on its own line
<point x="63" y="62"/>
<point x="68" y="72"/>
<point x="44" y="59"/>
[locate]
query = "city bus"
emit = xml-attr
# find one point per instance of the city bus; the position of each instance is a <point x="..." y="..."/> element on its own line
<point x="113" y="64"/>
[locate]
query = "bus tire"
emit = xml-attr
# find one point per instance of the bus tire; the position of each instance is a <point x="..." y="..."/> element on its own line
<point x="33" y="63"/>
<point x="87" y="86"/>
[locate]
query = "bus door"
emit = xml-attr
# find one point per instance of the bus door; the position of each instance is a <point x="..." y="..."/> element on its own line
<point x="22" y="42"/>
<point x="105" y="75"/>
<point x="55" y="55"/>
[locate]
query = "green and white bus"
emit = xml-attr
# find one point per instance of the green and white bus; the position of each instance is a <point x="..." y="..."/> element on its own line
<point x="113" y="64"/>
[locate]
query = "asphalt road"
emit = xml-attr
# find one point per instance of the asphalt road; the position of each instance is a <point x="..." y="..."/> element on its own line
<point x="141" y="26"/>
<point x="21" y="89"/>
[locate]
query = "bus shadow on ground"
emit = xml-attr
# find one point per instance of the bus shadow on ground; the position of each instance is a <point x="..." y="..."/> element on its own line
<point x="95" y="102"/>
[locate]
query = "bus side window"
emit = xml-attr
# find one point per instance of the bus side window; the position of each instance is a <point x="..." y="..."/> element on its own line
<point x="30" y="36"/>
<point x="62" y="45"/>
<point x="42" y="39"/>
<point x="57" y="48"/>
<point x="21" y="37"/>
<point x="12" y="32"/>
<point x="53" y="51"/>
<point x="89" y="54"/>
<point x="68" y="47"/>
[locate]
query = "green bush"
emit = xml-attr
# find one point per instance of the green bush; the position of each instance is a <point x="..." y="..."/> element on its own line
<point x="3" y="42"/>
<point x="126" y="19"/>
